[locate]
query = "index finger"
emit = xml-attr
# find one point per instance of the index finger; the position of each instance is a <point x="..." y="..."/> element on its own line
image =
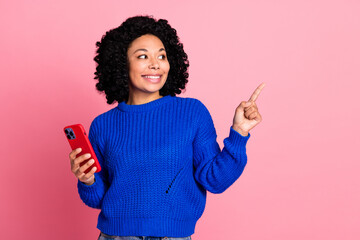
<point x="74" y="152"/>
<point x="256" y="93"/>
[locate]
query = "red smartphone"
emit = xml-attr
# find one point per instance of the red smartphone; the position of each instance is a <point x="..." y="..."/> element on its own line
<point x="77" y="138"/>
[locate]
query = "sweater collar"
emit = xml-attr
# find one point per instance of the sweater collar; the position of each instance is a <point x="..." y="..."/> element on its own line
<point x="146" y="106"/>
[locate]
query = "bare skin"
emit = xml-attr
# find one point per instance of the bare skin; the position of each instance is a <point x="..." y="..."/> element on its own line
<point x="146" y="55"/>
<point x="79" y="172"/>
<point x="247" y="115"/>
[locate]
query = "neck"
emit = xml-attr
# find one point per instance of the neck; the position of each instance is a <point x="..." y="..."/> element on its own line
<point x="137" y="100"/>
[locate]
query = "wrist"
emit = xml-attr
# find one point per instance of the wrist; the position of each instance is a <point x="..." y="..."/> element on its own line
<point x="241" y="132"/>
<point x="90" y="183"/>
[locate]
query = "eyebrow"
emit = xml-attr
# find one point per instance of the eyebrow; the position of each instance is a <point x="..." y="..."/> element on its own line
<point x="145" y="50"/>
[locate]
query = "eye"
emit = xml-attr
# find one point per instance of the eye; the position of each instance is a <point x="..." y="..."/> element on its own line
<point x="141" y="56"/>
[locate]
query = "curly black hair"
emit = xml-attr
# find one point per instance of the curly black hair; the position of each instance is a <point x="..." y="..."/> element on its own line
<point x="112" y="69"/>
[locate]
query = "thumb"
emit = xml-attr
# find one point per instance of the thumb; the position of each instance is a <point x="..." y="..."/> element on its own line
<point x="244" y="104"/>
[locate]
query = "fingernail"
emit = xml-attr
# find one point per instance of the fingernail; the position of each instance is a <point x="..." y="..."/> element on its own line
<point x="79" y="149"/>
<point x="92" y="161"/>
<point x="88" y="155"/>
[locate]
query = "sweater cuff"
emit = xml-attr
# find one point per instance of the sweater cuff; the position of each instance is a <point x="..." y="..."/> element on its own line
<point x="91" y="189"/>
<point x="236" y="138"/>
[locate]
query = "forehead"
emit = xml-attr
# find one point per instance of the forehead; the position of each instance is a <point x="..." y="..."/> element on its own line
<point x="146" y="41"/>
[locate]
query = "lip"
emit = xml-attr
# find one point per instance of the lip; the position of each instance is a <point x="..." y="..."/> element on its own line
<point x="152" y="80"/>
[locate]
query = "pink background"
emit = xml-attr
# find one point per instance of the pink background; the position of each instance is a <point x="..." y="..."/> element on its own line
<point x="302" y="178"/>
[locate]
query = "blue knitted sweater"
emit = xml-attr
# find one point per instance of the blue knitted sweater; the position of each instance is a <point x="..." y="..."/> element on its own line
<point x="158" y="161"/>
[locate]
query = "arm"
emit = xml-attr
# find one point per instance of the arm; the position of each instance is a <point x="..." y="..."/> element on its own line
<point x="216" y="170"/>
<point x="92" y="195"/>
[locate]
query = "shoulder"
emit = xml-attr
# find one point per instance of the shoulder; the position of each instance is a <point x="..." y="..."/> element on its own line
<point x="198" y="107"/>
<point x="193" y="109"/>
<point x="195" y="103"/>
<point x="102" y="118"/>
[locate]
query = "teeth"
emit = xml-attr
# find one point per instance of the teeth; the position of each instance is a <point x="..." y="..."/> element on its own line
<point x="152" y="76"/>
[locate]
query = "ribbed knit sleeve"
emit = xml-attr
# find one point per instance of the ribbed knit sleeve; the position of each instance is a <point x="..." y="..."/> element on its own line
<point x="216" y="170"/>
<point x="92" y="195"/>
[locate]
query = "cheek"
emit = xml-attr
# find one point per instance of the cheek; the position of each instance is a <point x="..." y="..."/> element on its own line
<point x="166" y="66"/>
<point x="137" y="68"/>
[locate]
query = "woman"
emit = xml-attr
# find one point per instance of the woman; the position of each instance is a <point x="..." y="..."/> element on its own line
<point x="158" y="152"/>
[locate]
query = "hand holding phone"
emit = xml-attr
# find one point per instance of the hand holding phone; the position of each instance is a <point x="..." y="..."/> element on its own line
<point x="79" y="170"/>
<point x="83" y="166"/>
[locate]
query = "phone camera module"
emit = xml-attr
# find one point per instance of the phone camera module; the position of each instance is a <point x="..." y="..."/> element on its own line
<point x="70" y="133"/>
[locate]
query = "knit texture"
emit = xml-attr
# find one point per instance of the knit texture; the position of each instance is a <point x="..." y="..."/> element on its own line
<point x="158" y="161"/>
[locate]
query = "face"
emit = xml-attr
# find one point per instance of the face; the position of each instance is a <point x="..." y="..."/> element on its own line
<point x="148" y="66"/>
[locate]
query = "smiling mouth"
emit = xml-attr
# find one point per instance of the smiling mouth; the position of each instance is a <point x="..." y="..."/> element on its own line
<point x="152" y="78"/>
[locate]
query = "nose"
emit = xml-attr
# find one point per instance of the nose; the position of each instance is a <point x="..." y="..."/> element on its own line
<point x="154" y="64"/>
